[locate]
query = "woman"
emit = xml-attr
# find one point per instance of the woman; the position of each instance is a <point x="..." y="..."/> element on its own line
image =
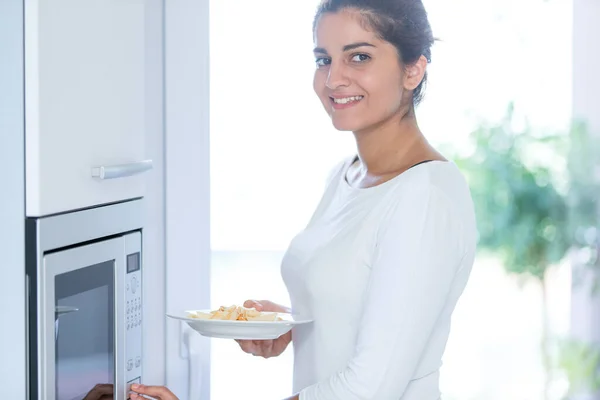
<point x="390" y="247"/>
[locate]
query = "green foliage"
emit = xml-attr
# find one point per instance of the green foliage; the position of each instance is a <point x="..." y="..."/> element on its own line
<point x="530" y="217"/>
<point x="521" y="214"/>
<point x="580" y="362"/>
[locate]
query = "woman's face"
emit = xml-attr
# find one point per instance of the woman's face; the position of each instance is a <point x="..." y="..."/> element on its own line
<point x="359" y="77"/>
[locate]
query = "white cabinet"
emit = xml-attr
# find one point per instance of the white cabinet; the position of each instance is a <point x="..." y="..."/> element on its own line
<point x="84" y="103"/>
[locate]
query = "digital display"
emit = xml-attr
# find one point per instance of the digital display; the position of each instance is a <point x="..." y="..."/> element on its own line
<point x="133" y="262"/>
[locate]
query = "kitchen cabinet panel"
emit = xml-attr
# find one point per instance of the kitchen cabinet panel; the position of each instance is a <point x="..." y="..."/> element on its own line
<point x="84" y="103"/>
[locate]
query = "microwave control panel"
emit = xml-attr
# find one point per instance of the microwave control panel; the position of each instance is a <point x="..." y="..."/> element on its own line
<point x="133" y="316"/>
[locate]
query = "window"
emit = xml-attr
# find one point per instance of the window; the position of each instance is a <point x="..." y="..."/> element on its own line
<point x="272" y="146"/>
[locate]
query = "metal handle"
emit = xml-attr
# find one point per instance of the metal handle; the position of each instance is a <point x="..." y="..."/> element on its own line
<point x="121" y="170"/>
<point x="61" y="310"/>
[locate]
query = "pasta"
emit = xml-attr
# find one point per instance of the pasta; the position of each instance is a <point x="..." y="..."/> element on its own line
<point x="236" y="313"/>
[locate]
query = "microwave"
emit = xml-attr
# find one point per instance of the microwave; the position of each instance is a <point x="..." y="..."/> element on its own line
<point x="84" y="300"/>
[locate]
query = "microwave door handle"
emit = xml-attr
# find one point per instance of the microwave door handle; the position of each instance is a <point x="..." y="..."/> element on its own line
<point x="61" y="310"/>
<point x="121" y="170"/>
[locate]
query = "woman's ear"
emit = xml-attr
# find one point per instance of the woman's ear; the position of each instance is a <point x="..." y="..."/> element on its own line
<point x="414" y="73"/>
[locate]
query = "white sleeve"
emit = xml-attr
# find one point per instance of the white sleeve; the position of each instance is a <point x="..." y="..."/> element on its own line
<point x="417" y="257"/>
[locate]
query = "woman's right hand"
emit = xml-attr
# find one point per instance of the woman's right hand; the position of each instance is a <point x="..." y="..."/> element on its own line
<point x="266" y="348"/>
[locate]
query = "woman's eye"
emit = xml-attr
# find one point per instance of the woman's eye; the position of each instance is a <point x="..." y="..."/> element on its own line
<point x="322" y="61"/>
<point x="360" y="58"/>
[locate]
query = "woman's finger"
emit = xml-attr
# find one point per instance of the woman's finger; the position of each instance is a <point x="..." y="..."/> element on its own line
<point x="99" y="392"/>
<point x="159" y="392"/>
<point x="254" y="304"/>
<point x="248" y="346"/>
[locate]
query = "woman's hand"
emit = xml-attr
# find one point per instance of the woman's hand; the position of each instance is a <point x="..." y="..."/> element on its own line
<point x="158" y="392"/>
<point x="266" y="348"/>
<point x="101" y="392"/>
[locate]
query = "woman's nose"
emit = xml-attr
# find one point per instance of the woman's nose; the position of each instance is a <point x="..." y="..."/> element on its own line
<point x="337" y="76"/>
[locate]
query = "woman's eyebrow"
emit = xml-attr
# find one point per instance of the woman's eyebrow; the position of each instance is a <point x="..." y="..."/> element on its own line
<point x="357" y="45"/>
<point x="347" y="47"/>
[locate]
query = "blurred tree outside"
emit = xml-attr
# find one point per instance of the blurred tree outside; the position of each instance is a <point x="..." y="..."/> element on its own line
<point x="536" y="204"/>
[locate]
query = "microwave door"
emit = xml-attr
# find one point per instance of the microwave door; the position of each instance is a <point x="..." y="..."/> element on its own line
<point x="82" y="309"/>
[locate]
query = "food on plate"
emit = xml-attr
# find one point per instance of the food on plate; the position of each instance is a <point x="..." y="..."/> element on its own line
<point x="236" y="313"/>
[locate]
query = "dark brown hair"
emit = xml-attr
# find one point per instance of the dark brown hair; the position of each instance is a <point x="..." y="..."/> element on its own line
<point x="403" y="23"/>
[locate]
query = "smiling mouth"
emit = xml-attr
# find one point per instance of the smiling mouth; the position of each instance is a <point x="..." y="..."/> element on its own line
<point x="346" y="100"/>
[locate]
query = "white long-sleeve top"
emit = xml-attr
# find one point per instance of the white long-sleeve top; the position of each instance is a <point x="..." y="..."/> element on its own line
<point x="380" y="270"/>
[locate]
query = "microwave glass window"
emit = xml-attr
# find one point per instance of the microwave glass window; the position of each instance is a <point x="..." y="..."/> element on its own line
<point x="84" y="332"/>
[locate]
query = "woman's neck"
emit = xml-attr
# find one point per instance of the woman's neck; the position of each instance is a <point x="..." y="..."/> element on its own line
<point x="393" y="146"/>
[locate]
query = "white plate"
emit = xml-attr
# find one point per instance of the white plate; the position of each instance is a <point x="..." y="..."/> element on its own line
<point x="243" y="330"/>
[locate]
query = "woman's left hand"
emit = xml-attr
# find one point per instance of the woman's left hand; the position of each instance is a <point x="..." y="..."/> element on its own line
<point x="158" y="392"/>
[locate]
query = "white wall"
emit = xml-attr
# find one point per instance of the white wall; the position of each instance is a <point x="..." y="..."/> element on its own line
<point x="187" y="190"/>
<point x="586" y="62"/>
<point x="177" y="234"/>
<point x="585" y="318"/>
<point x="12" y="203"/>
